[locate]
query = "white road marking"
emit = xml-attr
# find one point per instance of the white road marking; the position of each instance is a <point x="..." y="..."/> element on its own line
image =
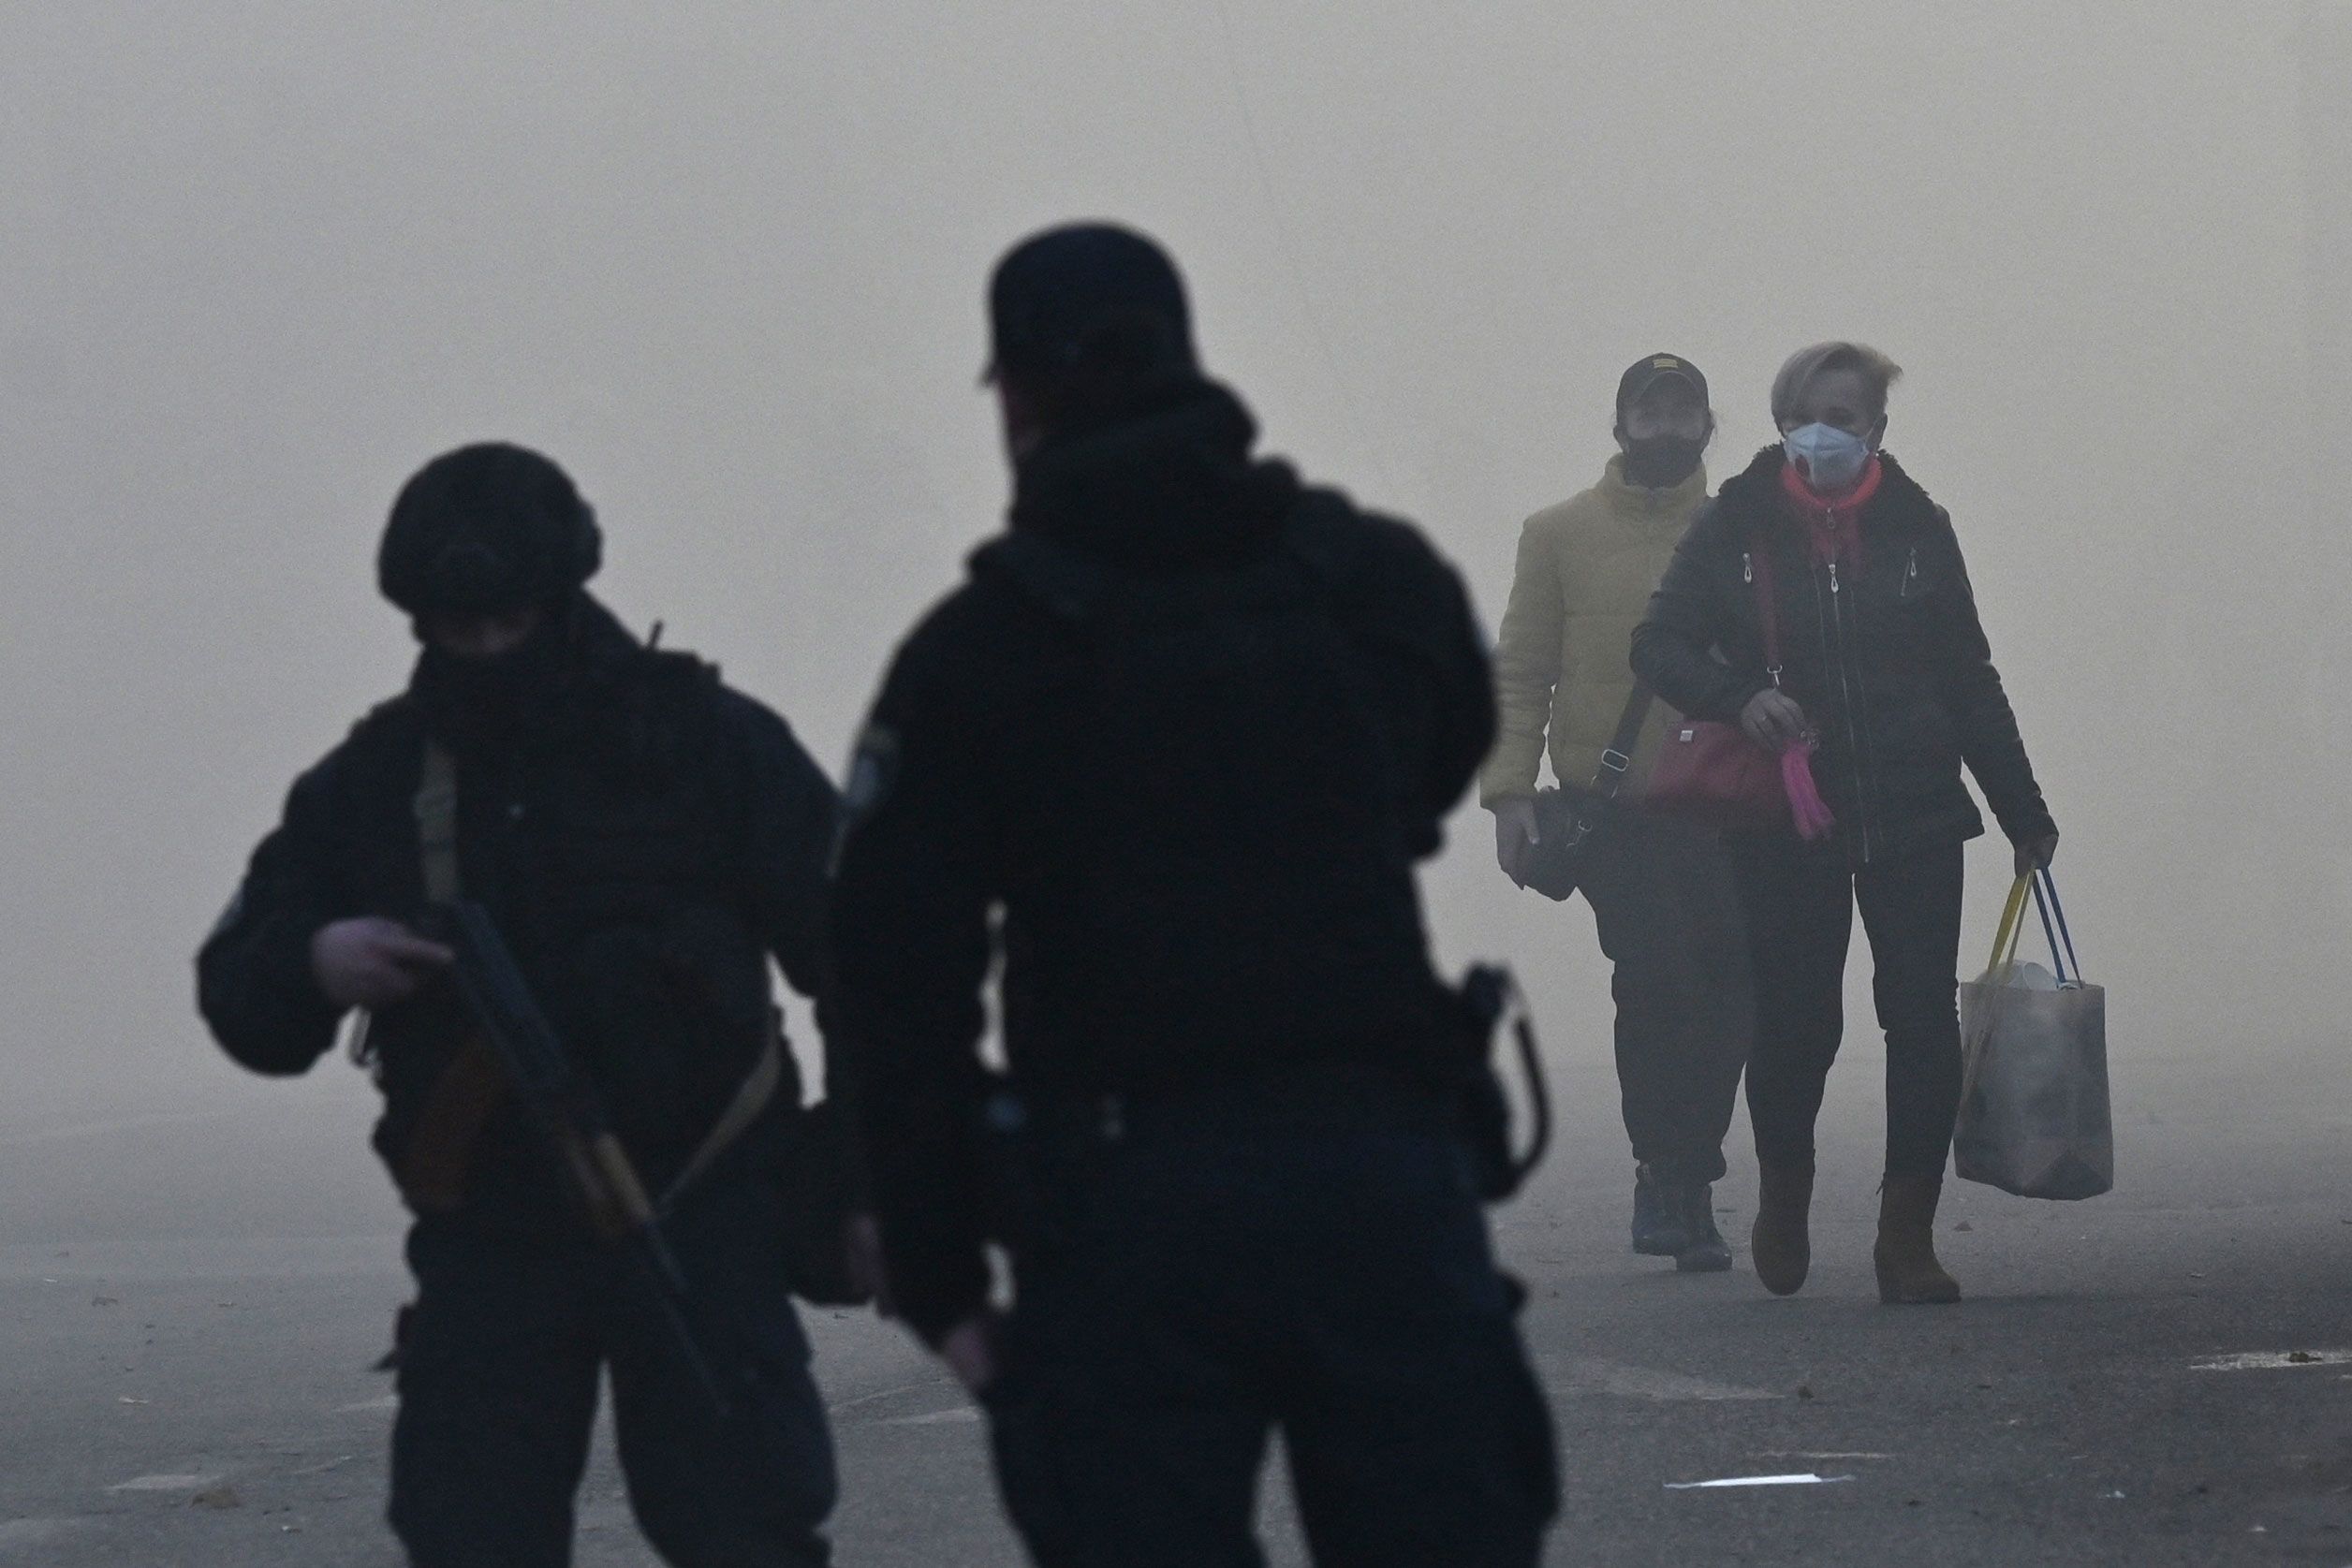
<point x="937" y="1417"/>
<point x="1805" y="1480"/>
<point x="1647" y="1383"/>
<point x="1810" y="1454"/>
<point x="382" y="1401"/>
<point x="881" y="1394"/>
<point x="168" y="1482"/>
<point x="2262" y="1361"/>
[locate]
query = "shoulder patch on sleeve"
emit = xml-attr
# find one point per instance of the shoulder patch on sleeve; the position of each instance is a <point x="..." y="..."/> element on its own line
<point x="873" y="770"/>
<point x="872" y="775"/>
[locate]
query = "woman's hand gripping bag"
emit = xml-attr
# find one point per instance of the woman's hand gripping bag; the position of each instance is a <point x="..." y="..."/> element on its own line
<point x="2033" y="1113"/>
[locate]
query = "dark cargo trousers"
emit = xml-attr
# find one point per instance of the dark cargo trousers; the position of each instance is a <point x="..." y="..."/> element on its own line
<point x="1208" y="1286"/>
<point x="1667" y="911"/>
<point x="500" y="1360"/>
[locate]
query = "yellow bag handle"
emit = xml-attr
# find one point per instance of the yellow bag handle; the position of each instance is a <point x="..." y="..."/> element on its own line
<point x="2012" y="930"/>
<point x="2004" y="958"/>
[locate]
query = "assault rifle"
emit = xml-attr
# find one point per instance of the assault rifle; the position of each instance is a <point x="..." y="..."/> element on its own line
<point x="572" y="1122"/>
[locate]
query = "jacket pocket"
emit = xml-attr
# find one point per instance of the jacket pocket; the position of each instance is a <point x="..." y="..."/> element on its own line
<point x="1910" y="587"/>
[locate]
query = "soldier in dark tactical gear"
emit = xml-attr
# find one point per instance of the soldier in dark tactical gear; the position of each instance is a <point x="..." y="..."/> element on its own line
<point x="1172" y="753"/>
<point x="647" y="840"/>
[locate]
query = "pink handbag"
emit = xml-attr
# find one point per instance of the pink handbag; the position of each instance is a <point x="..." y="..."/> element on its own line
<point x="1712" y="773"/>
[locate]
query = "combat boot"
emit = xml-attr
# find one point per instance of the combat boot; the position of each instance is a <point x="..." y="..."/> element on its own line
<point x="1908" y="1273"/>
<point x="1704" y="1250"/>
<point x="1657" y="1217"/>
<point x="1781" y="1244"/>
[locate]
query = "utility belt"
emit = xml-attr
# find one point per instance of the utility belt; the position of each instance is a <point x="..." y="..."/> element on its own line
<point x="1042" y="1152"/>
<point x="1043" y="1155"/>
<point x="1330" y="1095"/>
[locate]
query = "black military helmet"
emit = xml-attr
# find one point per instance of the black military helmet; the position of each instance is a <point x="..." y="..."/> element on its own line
<point x="486" y="528"/>
<point x="1089" y="298"/>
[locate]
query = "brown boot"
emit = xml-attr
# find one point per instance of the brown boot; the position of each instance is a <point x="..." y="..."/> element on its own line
<point x="1908" y="1274"/>
<point x="1779" y="1242"/>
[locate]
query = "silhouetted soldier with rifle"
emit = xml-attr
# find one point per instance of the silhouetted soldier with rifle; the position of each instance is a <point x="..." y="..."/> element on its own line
<point x="552" y="874"/>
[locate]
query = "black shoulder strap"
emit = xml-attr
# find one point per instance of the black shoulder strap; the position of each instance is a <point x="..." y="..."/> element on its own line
<point x="1610" y="777"/>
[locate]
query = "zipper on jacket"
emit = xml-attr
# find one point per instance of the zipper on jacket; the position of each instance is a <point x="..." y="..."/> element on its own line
<point x="1834" y="617"/>
<point x="1866" y="758"/>
<point x="1747" y="573"/>
<point x="1911" y="576"/>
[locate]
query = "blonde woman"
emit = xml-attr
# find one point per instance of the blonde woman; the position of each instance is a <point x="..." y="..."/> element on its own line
<point x="1884" y="672"/>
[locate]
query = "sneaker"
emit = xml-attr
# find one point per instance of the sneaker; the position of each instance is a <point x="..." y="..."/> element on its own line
<point x="1704" y="1251"/>
<point x="1658" y="1217"/>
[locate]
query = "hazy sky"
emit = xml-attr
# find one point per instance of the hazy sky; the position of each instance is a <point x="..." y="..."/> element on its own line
<point x="724" y="262"/>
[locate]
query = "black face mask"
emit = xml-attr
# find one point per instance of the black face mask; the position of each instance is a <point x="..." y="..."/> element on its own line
<point x="478" y="702"/>
<point x="1662" y="461"/>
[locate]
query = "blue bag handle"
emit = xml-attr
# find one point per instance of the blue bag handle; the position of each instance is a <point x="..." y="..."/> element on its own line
<point x="2046" y="901"/>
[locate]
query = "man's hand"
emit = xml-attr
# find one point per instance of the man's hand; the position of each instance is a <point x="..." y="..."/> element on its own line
<point x="371" y="961"/>
<point x="1516" y="835"/>
<point x="1773" y="721"/>
<point x="2037" y="857"/>
<point x="969" y="1349"/>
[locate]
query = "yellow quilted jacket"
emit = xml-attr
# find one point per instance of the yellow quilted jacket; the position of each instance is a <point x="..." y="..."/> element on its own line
<point x="1586" y="568"/>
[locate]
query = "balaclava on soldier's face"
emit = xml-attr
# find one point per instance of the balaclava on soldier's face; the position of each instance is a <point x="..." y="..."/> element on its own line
<point x="482" y="693"/>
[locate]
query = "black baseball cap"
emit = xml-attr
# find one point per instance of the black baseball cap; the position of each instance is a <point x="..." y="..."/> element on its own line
<point x="1088" y="292"/>
<point x="1647" y="371"/>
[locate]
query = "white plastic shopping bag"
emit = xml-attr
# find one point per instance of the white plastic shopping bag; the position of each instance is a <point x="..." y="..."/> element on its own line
<point x="2034" y="1115"/>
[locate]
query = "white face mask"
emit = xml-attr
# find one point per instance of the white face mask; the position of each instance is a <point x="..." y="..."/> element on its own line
<point x="1827" y="458"/>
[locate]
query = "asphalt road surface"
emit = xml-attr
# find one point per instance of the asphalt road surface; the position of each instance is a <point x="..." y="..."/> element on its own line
<point x="190" y="1301"/>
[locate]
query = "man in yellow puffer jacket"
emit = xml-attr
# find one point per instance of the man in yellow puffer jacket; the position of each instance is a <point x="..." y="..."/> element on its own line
<point x="1661" y="891"/>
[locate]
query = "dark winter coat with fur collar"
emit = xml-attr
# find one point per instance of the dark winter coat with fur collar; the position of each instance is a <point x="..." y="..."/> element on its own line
<point x="1885" y="654"/>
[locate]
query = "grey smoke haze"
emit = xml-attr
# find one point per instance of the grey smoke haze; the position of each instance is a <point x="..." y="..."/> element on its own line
<point x="725" y="261"/>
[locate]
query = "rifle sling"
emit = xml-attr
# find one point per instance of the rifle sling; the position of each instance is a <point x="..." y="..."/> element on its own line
<point x="432" y="1168"/>
<point x="752" y="1096"/>
<point x="436" y="825"/>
